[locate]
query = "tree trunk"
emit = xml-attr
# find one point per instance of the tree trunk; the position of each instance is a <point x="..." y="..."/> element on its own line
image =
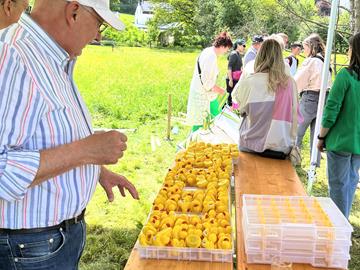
<point x="356" y="12"/>
<point x="352" y="16"/>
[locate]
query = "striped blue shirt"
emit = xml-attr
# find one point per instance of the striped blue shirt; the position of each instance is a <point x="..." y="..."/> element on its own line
<point x="40" y="108"/>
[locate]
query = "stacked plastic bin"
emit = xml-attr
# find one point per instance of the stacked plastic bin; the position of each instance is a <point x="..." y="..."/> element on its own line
<point x="191" y="215"/>
<point x="295" y="229"/>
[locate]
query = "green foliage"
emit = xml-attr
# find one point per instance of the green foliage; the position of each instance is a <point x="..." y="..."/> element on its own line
<point x="131" y="36"/>
<point x="115" y="5"/>
<point x="124" y="6"/>
<point x="197" y="22"/>
<point x="207" y="18"/>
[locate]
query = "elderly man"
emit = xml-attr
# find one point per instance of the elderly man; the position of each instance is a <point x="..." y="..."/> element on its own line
<point x="255" y="46"/>
<point x="10" y="11"/>
<point x="50" y="158"/>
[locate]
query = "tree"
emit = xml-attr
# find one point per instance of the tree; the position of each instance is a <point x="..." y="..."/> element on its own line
<point x="355" y="15"/>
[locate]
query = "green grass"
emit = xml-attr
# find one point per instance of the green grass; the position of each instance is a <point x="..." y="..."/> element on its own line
<point x="128" y="88"/>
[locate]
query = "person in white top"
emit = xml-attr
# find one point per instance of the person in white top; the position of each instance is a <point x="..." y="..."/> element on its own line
<point x="308" y="81"/>
<point x="10" y="11"/>
<point x="292" y="59"/>
<point x="203" y="88"/>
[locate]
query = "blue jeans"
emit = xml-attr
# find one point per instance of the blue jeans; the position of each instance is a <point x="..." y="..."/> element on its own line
<point x="56" y="249"/>
<point x="343" y="174"/>
<point x="308" y="109"/>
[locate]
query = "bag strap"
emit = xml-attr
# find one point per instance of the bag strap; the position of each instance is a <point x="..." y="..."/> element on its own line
<point x="323" y="60"/>
<point x="290" y="59"/>
<point x="199" y="70"/>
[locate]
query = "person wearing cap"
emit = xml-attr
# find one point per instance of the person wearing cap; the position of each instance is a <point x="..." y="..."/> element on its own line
<point x="10" y="11"/>
<point x="292" y="59"/>
<point x="256" y="45"/>
<point x="234" y="66"/>
<point x="50" y="158"/>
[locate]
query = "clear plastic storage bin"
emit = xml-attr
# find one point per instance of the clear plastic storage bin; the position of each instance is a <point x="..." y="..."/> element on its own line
<point x="295" y="229"/>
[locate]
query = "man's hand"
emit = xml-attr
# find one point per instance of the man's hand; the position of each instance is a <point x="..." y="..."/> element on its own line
<point x="104" y="148"/>
<point x="320" y="145"/>
<point x="108" y="180"/>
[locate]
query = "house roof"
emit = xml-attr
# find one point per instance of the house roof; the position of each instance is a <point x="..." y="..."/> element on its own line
<point x="146" y="6"/>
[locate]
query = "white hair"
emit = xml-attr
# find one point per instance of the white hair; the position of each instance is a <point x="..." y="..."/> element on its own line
<point x="279" y="39"/>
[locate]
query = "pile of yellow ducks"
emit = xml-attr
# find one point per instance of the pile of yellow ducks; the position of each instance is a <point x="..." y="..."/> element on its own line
<point x="211" y="231"/>
<point x="192" y="208"/>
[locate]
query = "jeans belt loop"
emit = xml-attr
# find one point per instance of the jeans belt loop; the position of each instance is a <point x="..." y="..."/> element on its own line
<point x="67" y="226"/>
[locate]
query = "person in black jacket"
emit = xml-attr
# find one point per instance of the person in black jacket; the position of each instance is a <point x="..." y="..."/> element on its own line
<point x="234" y="67"/>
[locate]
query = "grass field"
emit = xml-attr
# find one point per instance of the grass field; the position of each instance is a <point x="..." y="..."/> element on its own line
<point x="128" y="88"/>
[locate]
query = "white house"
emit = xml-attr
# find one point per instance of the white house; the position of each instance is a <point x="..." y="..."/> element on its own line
<point x="143" y="13"/>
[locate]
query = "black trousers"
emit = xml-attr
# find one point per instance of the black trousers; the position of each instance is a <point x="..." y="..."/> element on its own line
<point x="229" y="90"/>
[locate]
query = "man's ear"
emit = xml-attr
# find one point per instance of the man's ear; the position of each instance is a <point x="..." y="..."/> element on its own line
<point x="8" y="6"/>
<point x="71" y="12"/>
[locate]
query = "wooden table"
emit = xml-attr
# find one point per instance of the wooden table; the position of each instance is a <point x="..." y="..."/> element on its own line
<point x="258" y="175"/>
<point x="253" y="175"/>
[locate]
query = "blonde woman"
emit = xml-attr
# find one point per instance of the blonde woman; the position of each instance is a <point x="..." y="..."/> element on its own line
<point x="308" y="81"/>
<point x="268" y="99"/>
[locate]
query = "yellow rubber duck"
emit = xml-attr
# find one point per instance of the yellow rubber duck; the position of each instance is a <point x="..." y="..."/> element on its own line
<point x="212" y="237"/>
<point x="196" y="206"/>
<point x="143" y="240"/>
<point x="185" y="207"/>
<point x="224" y="242"/>
<point x="171" y="205"/>
<point x="193" y="241"/>
<point x="206" y="243"/>
<point x="163" y="237"/>
<point x="194" y="220"/>
<point x="158" y="207"/>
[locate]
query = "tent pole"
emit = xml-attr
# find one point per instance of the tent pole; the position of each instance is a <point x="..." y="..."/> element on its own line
<point x="323" y="89"/>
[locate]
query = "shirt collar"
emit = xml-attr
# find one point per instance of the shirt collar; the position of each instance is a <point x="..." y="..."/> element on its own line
<point x="44" y="40"/>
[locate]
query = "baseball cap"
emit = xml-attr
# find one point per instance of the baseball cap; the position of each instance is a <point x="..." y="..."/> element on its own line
<point x="296" y="44"/>
<point x="257" y="39"/>
<point x="102" y="8"/>
<point x="240" y="41"/>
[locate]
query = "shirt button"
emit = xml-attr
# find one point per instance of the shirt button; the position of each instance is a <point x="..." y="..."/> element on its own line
<point x="16" y="260"/>
<point x="51" y="240"/>
<point x="21" y="245"/>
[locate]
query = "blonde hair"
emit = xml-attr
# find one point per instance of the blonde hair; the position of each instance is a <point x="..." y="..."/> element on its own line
<point x="270" y="60"/>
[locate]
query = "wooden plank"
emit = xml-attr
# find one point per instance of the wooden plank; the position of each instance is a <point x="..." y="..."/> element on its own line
<point x="258" y="175"/>
<point x="135" y="263"/>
